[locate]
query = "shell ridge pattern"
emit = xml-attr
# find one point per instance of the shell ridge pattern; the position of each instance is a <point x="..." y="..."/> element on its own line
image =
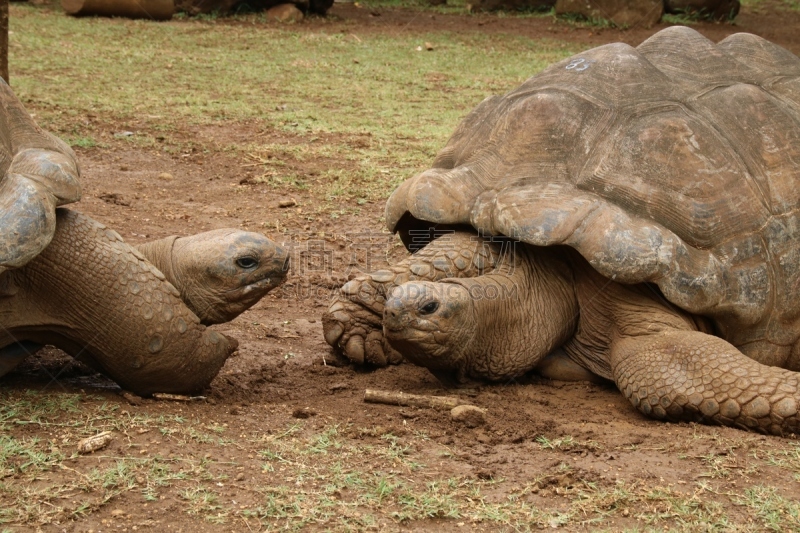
<point x="793" y="117"/>
<point x="693" y="61"/>
<point x="600" y="78"/>
<point x="775" y="87"/>
<point x="760" y="55"/>
<point x="753" y="171"/>
<point x="751" y="182"/>
<point x="623" y="191"/>
<point x="578" y="129"/>
<point x="576" y="91"/>
<point x="468" y="130"/>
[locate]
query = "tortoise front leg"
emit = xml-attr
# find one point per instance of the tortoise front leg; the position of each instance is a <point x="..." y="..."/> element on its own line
<point x="688" y="375"/>
<point x="353" y="322"/>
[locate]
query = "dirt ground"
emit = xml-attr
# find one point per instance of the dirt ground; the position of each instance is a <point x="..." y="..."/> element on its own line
<point x="284" y="371"/>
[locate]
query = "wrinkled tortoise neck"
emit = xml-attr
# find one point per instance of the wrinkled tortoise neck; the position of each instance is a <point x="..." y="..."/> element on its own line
<point x="529" y="308"/>
<point x="159" y="253"/>
<point x="177" y="266"/>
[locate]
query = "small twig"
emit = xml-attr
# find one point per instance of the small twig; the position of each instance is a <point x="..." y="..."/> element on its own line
<point x="76" y="471"/>
<point x="276" y="336"/>
<point x="246" y="523"/>
<point x="176" y="397"/>
<point x="411" y="400"/>
<point x="45" y="424"/>
<point x="242" y="487"/>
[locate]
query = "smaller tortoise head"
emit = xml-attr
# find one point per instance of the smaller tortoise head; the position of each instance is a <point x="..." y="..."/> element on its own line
<point x="222" y="273"/>
<point x="431" y="324"/>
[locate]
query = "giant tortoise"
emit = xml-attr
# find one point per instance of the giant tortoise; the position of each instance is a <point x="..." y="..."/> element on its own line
<point x="67" y="280"/>
<point x="633" y="212"/>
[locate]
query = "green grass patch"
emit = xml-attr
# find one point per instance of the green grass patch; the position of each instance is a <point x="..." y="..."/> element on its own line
<point x="298" y="81"/>
<point x="776" y="512"/>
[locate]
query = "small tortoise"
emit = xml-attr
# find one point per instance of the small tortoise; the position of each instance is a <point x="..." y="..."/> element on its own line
<point x="633" y="212"/>
<point x="136" y="315"/>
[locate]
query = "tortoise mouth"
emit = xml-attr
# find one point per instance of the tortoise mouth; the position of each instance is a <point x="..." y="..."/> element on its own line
<point x="422" y="349"/>
<point x="410" y="332"/>
<point x="256" y="289"/>
<point x="393" y="328"/>
<point x="225" y="306"/>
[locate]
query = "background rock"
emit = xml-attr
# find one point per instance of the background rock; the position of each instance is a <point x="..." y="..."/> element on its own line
<point x="708" y="9"/>
<point x="285" y="13"/>
<point x="512" y="5"/>
<point x="622" y="13"/>
<point x="195" y="7"/>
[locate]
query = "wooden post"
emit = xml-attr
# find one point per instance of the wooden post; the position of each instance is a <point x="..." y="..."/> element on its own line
<point x="139" y="9"/>
<point x="4" y="39"/>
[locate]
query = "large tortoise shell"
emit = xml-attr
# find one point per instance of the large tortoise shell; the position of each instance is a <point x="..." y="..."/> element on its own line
<point x="38" y="172"/>
<point x="674" y="163"/>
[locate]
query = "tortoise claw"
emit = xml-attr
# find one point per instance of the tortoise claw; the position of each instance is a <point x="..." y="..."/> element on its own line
<point x="333" y="332"/>
<point x="354" y="350"/>
<point x="356" y="330"/>
<point x="374" y="349"/>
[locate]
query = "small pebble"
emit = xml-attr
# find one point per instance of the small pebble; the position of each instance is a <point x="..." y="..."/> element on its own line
<point x="469" y="415"/>
<point x="131" y="398"/>
<point x="96" y="442"/>
<point x="303" y="413"/>
<point x="484" y="474"/>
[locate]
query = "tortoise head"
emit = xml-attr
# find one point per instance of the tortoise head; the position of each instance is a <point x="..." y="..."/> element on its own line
<point x="222" y="273"/>
<point x="431" y="324"/>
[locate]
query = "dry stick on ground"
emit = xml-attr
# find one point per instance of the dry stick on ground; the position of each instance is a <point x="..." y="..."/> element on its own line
<point x="165" y="396"/>
<point x="412" y="400"/>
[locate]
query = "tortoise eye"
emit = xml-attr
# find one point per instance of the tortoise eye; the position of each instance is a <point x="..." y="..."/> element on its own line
<point x="247" y="262"/>
<point x="429" y="308"/>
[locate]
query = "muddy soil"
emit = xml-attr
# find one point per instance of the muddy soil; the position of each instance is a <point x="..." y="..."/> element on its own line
<point x="284" y="367"/>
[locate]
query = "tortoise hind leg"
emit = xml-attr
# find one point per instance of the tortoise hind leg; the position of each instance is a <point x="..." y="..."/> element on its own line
<point x="103" y="303"/>
<point x="689" y="375"/>
<point x="354" y="320"/>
